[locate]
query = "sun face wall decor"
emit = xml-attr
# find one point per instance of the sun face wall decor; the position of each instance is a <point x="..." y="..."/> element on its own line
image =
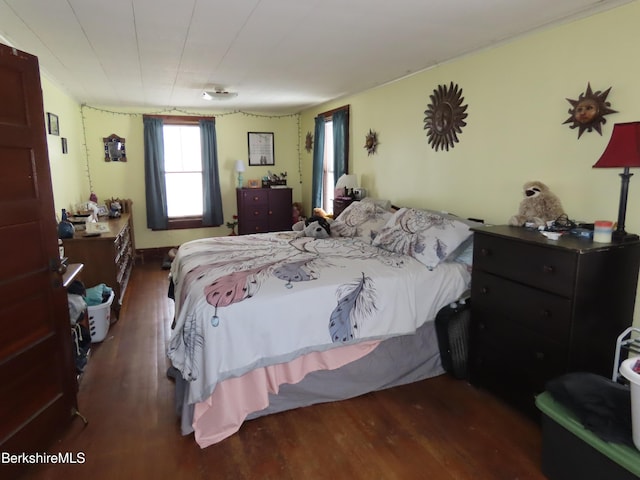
<point x="445" y="117"/>
<point x="308" y="142"/>
<point x="588" y="111"/>
<point x="371" y="142"/>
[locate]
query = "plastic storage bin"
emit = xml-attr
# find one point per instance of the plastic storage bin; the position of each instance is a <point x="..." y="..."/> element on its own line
<point x="100" y="319"/>
<point x="626" y="369"/>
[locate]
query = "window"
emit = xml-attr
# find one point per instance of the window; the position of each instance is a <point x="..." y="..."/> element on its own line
<point x="182" y="186"/>
<point x="330" y="156"/>
<point x="183" y="170"/>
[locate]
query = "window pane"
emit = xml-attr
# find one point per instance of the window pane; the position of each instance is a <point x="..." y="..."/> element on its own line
<point x="182" y="151"/>
<point x="184" y="194"/>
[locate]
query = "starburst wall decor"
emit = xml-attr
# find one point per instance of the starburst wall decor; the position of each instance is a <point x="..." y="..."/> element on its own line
<point x="588" y="111"/>
<point x="445" y="117"/>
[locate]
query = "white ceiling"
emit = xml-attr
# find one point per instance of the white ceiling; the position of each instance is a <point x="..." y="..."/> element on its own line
<point x="278" y="55"/>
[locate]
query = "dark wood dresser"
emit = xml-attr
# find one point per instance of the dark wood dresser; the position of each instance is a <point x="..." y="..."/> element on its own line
<point x="264" y="210"/>
<point x="541" y="308"/>
<point x="107" y="258"/>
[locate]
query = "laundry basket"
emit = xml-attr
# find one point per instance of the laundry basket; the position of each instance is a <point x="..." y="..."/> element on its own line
<point x="100" y="319"/>
<point x="628" y="370"/>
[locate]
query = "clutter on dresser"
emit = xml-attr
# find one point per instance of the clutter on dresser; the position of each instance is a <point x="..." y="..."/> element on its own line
<point x="272" y="180"/>
<point x="539" y="206"/>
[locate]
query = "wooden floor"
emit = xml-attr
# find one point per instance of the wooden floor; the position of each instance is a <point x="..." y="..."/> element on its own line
<point x="437" y="429"/>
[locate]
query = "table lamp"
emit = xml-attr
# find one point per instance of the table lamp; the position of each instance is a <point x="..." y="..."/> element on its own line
<point x="623" y="151"/>
<point x="239" y="170"/>
<point x="347" y="182"/>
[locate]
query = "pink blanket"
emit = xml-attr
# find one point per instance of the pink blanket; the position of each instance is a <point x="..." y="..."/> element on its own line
<point x="222" y="414"/>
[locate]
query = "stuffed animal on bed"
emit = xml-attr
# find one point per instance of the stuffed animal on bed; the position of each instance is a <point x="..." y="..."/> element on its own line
<point x="319" y="212"/>
<point x="315" y="227"/>
<point x="538" y="206"/>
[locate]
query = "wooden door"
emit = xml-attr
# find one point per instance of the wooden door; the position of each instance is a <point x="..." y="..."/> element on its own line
<point x="37" y="374"/>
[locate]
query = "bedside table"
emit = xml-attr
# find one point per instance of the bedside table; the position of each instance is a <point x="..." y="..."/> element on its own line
<point x="340" y="203"/>
<point x="541" y="308"/>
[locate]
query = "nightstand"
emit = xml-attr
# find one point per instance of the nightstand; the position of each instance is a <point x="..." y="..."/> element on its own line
<point x="541" y="308"/>
<point x="339" y="204"/>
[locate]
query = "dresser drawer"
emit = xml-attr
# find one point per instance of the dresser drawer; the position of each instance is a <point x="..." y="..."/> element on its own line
<point x="528" y="309"/>
<point x="255" y="198"/>
<point x="257" y="226"/>
<point x="500" y="346"/>
<point x="550" y="269"/>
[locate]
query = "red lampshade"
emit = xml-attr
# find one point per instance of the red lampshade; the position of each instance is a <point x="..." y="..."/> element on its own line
<point x="624" y="147"/>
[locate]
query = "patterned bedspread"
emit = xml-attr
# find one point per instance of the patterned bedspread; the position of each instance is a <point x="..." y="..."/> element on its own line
<point x="256" y="300"/>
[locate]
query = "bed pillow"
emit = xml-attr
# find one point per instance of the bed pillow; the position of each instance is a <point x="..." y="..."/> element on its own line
<point x="427" y="236"/>
<point x="361" y="219"/>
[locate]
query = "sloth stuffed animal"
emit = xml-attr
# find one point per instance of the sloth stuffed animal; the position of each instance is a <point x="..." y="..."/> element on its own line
<point x="538" y="206"/>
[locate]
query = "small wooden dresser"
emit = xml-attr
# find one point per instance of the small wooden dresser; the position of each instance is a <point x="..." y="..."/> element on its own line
<point x="264" y="210"/>
<point x="541" y="308"/>
<point x="107" y="258"/>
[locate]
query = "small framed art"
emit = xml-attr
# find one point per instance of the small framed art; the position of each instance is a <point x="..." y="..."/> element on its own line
<point x="254" y="183"/>
<point x="64" y="145"/>
<point x="260" y="148"/>
<point x="52" y="124"/>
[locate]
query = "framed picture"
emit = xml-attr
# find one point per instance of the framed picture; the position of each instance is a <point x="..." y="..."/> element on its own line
<point x="260" y="148"/>
<point x="64" y="145"/>
<point x="103" y="211"/>
<point x="52" y="124"/>
<point x="254" y="183"/>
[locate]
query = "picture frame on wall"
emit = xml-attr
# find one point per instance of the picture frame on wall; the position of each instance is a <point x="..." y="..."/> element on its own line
<point x="52" y="124"/>
<point x="261" y="151"/>
<point x="65" y="149"/>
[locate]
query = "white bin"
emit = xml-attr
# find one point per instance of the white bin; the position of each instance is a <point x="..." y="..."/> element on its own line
<point x="626" y="369"/>
<point x="100" y="319"/>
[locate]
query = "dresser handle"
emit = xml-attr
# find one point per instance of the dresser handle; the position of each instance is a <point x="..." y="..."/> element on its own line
<point x="255" y="199"/>
<point x="484" y="290"/>
<point x="485" y="252"/>
<point x="270" y="212"/>
<point x="256" y="213"/>
<point x="548" y="269"/>
<point x="546" y="313"/>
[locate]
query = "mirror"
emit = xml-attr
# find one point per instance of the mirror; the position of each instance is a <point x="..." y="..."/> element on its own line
<point x="114" y="150"/>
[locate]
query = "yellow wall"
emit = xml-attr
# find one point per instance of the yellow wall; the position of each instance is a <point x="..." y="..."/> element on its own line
<point x="126" y="179"/>
<point x="68" y="171"/>
<point x="516" y="96"/>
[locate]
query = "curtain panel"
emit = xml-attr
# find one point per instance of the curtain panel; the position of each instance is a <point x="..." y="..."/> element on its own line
<point x="212" y="201"/>
<point x="155" y="187"/>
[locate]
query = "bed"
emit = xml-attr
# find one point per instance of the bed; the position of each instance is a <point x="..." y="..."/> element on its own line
<point x="270" y="322"/>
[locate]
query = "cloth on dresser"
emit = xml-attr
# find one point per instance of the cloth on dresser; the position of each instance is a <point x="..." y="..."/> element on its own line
<point x="601" y="405"/>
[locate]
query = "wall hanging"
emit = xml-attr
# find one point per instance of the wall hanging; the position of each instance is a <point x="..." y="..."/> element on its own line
<point x="445" y="116"/>
<point x="308" y="142"/>
<point x="260" y="148"/>
<point x="371" y="142"/>
<point x="114" y="150"/>
<point x="52" y="124"/>
<point x="588" y="111"/>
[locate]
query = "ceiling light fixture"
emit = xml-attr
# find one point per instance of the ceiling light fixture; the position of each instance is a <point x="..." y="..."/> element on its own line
<point x="218" y="94"/>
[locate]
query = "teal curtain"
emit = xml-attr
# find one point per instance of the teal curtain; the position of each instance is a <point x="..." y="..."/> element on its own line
<point x="340" y="145"/>
<point x="318" y="160"/>
<point x="155" y="187"/>
<point x="212" y="197"/>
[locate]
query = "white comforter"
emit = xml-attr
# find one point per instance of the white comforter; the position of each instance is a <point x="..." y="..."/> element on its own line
<point x="250" y="301"/>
